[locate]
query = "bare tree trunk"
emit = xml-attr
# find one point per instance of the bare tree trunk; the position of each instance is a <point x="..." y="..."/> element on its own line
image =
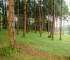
<point x="48" y="24"/>
<point x="61" y="23"/>
<point x="42" y="17"/>
<point x="61" y="30"/>
<point x="49" y="27"/>
<point x="40" y="20"/>
<point x="40" y="23"/>
<point x="0" y="22"/>
<point x="24" y="33"/>
<point x="44" y="24"/>
<point x="50" y="21"/>
<point x="11" y="23"/>
<point x="53" y="13"/>
<point x="35" y="15"/>
<point x="17" y="24"/>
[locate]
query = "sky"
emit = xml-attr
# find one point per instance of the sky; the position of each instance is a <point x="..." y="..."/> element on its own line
<point x="68" y="3"/>
<point x="66" y="23"/>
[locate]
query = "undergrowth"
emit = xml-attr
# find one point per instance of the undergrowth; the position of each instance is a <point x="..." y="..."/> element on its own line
<point x="7" y="51"/>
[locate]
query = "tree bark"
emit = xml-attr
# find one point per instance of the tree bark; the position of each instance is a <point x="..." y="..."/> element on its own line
<point x="40" y="20"/>
<point x="44" y="24"/>
<point x="24" y="32"/>
<point x="17" y="24"/>
<point x="0" y="22"/>
<point x="11" y="23"/>
<point x="53" y="14"/>
<point x="49" y="27"/>
<point x="35" y="15"/>
<point x="61" y="23"/>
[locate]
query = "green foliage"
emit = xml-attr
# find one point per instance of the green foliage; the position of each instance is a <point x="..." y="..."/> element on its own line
<point x="7" y="51"/>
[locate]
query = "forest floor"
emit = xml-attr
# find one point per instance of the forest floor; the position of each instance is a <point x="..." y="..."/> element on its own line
<point x="24" y="47"/>
<point x="36" y="53"/>
<point x="27" y="51"/>
<point x="33" y="47"/>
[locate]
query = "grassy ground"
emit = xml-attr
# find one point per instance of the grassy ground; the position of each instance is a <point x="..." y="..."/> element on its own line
<point x="57" y="47"/>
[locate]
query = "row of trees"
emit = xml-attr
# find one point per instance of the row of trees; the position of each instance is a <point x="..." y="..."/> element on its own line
<point x="32" y="14"/>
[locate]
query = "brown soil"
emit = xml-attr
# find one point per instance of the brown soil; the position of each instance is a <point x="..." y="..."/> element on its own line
<point x="27" y="51"/>
<point x="67" y="58"/>
<point x="24" y="47"/>
<point x="0" y="57"/>
<point x="2" y="44"/>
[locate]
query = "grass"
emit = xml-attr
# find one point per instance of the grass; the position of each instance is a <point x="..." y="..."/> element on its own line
<point x="6" y="51"/>
<point x="58" y="47"/>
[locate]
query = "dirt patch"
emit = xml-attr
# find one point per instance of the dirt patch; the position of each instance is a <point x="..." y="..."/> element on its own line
<point x="53" y="57"/>
<point x="27" y="51"/>
<point x="2" y="44"/>
<point x="0" y="57"/>
<point x="24" y="47"/>
<point x="67" y="58"/>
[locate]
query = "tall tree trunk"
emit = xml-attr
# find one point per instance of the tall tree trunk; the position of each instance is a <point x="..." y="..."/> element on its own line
<point x="42" y="17"/>
<point x="44" y="24"/>
<point x="48" y="24"/>
<point x="6" y="14"/>
<point x="53" y="13"/>
<point x="35" y="15"/>
<point x="61" y="30"/>
<point x="61" y="23"/>
<point x="11" y="23"/>
<point x="28" y="16"/>
<point x="24" y="33"/>
<point x="0" y="22"/>
<point x="17" y="24"/>
<point x="50" y="20"/>
<point x="40" y="22"/>
<point x="49" y="27"/>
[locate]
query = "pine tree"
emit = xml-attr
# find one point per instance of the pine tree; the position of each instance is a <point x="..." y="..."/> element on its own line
<point x="24" y="32"/>
<point x="11" y="23"/>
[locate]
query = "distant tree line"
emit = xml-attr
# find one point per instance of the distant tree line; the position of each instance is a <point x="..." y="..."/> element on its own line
<point x="37" y="15"/>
